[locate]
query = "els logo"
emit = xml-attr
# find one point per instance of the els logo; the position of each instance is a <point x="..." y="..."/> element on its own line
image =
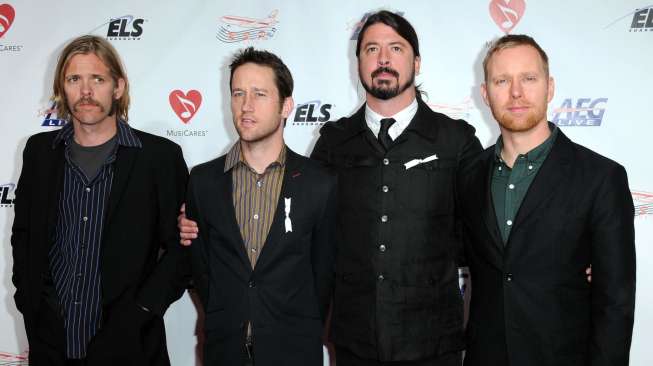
<point x="585" y="112"/>
<point x="235" y="28"/>
<point x="185" y="105"/>
<point x="312" y="113"/>
<point x="7" y="15"/>
<point x="7" y="194"/>
<point x="507" y="13"/>
<point x="124" y="28"/>
<point x="641" y="21"/>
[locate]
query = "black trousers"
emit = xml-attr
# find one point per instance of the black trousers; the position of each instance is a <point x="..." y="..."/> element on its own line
<point x="344" y="357"/>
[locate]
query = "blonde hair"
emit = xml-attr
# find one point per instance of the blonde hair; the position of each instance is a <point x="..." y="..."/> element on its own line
<point x="100" y="47"/>
<point x="514" y="40"/>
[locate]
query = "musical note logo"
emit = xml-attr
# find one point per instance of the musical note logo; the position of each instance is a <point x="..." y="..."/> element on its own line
<point x="7" y="15"/>
<point x="185" y="105"/>
<point x="507" y="13"/>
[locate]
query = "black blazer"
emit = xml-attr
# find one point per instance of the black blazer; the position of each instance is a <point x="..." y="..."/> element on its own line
<point x="396" y="293"/>
<point x="531" y="304"/>
<point x="287" y="294"/>
<point x="141" y="259"/>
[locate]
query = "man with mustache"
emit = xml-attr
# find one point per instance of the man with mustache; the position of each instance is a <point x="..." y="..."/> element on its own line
<point x="397" y="300"/>
<point x="548" y="209"/>
<point x="92" y="286"/>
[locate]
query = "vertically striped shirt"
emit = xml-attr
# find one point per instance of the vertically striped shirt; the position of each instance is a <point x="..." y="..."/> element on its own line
<point x="255" y="197"/>
<point x="75" y="253"/>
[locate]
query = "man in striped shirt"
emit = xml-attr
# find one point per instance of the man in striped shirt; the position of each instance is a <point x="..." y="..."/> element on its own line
<point x="263" y="260"/>
<point x="95" y="260"/>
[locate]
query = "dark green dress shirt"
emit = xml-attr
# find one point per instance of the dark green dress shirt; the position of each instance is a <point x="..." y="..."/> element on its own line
<point x="509" y="185"/>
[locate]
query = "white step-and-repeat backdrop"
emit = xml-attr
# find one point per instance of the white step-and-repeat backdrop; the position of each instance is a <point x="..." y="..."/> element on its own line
<point x="178" y="51"/>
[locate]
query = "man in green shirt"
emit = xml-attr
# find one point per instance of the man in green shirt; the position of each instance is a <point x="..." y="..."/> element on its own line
<point x="539" y="209"/>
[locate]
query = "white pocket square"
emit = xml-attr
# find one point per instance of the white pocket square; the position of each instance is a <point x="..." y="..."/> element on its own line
<point x="416" y="162"/>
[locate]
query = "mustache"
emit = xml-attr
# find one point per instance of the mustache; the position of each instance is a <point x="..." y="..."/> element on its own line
<point x="87" y="100"/>
<point x="385" y="69"/>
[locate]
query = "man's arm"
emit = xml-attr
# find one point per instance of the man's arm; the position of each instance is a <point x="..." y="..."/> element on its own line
<point x="169" y="278"/>
<point x="613" y="269"/>
<point x="20" y="228"/>
<point x="323" y="249"/>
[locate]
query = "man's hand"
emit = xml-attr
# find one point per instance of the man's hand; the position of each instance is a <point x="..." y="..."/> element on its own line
<point x="187" y="228"/>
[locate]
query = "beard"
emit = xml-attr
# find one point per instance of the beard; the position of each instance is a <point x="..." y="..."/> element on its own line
<point x="384" y="91"/>
<point x="523" y="123"/>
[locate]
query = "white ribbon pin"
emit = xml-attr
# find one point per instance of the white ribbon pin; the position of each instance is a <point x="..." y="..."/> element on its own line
<point x="287" y="222"/>
<point x="416" y="162"/>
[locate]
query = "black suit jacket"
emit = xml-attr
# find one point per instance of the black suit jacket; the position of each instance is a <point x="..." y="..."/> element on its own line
<point x="287" y="294"/>
<point x="531" y="304"/>
<point x="141" y="260"/>
<point x="396" y="293"/>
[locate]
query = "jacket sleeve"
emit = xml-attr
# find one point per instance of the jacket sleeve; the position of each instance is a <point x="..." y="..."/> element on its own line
<point x="323" y="249"/>
<point x="197" y="248"/>
<point x="321" y="150"/>
<point x="613" y="271"/>
<point x="469" y="152"/>
<point x="20" y="228"/>
<point x="170" y="277"/>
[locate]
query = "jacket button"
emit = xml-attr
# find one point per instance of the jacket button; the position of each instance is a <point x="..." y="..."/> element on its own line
<point x="384" y="218"/>
<point x="251" y="284"/>
<point x="385" y="189"/>
<point x="381" y="278"/>
<point x="509" y="277"/>
<point x="386" y="161"/>
<point x="382" y="248"/>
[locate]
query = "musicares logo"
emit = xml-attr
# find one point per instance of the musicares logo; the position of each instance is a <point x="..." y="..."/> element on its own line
<point x="507" y="13"/>
<point x="185" y="105"/>
<point x="7" y="15"/>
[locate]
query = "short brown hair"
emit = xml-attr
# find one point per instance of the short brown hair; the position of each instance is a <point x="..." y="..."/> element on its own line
<point x="282" y="76"/>
<point x="100" y="47"/>
<point x="514" y="40"/>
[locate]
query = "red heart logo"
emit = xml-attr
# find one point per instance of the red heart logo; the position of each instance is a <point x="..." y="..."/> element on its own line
<point x="507" y="13"/>
<point x="7" y="15"/>
<point x="185" y="105"/>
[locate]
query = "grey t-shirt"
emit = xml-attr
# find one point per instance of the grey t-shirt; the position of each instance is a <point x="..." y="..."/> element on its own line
<point x="91" y="158"/>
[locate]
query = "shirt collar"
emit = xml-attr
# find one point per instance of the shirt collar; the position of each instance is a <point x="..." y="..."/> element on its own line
<point x="402" y="119"/>
<point x="538" y="153"/>
<point x="125" y="135"/>
<point x="235" y="156"/>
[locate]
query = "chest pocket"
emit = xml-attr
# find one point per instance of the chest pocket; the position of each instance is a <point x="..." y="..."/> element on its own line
<point x="428" y="188"/>
<point x="357" y="177"/>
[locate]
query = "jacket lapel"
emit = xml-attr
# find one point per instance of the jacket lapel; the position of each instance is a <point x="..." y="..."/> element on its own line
<point x="56" y="172"/>
<point x="549" y="179"/>
<point x="228" y="220"/>
<point x="288" y="188"/>
<point x="488" y="212"/>
<point x="125" y="157"/>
